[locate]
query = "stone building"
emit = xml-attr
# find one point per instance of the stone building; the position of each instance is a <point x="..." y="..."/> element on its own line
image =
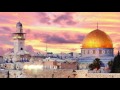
<point x="60" y="64"/>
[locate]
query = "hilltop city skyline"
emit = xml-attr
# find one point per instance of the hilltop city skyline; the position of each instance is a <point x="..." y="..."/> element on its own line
<point x="62" y="31"/>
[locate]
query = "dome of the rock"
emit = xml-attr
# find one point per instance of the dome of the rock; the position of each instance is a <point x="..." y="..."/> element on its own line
<point x="97" y="39"/>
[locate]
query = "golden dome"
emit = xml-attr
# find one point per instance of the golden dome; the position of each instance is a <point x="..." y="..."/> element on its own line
<point x="97" y="39"/>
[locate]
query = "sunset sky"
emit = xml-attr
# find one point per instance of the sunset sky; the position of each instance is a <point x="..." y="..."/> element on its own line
<point x="63" y="31"/>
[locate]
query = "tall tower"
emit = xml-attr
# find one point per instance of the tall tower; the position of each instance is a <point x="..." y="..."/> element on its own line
<point x="19" y="38"/>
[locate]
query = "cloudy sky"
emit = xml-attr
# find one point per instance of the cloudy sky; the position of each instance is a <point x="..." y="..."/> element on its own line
<point x="63" y="31"/>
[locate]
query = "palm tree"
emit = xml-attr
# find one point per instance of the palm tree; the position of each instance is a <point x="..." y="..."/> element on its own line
<point x="96" y="64"/>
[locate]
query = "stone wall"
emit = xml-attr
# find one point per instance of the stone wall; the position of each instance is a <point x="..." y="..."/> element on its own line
<point x="16" y="74"/>
<point x="85" y="74"/>
<point x="55" y="74"/>
<point x="69" y="74"/>
<point x="3" y="73"/>
<point x="11" y="74"/>
<point x="49" y="74"/>
<point x="7" y="66"/>
<point x="103" y="75"/>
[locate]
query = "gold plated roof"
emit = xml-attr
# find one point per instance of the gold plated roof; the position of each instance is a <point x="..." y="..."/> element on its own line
<point x="97" y="39"/>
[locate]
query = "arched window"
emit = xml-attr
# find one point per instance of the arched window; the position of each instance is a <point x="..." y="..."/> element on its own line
<point x="88" y="52"/>
<point x="100" y="51"/>
<point x="84" y="51"/>
<point x="93" y="51"/>
<point x="111" y="51"/>
<point x="81" y="51"/>
<point x="105" y="51"/>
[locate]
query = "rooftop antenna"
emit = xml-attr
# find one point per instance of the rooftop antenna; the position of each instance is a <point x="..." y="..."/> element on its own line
<point x="46" y="46"/>
<point x="46" y="49"/>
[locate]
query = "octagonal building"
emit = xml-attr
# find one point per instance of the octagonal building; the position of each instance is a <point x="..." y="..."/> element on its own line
<point x="97" y="44"/>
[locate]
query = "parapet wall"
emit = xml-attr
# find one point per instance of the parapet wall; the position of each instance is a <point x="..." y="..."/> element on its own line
<point x="49" y="74"/>
<point x="69" y="74"/>
<point x="55" y="74"/>
<point x="3" y="73"/>
<point x="103" y="75"/>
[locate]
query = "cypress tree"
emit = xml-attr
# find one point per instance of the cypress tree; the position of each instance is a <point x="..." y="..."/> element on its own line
<point x="116" y="64"/>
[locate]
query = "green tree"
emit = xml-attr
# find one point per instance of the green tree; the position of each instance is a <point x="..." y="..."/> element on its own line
<point x="96" y="64"/>
<point x="91" y="66"/>
<point x="116" y="64"/>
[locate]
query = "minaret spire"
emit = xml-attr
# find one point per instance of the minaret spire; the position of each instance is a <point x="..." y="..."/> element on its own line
<point x="97" y="25"/>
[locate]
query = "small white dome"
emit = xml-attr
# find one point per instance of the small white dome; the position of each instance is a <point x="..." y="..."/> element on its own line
<point x="19" y="24"/>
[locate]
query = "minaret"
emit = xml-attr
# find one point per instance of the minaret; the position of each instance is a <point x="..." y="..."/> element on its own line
<point x="19" y="38"/>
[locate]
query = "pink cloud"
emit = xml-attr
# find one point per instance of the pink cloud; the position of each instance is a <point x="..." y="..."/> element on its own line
<point x="30" y="49"/>
<point x="55" y="38"/>
<point x="65" y="19"/>
<point x="108" y="22"/>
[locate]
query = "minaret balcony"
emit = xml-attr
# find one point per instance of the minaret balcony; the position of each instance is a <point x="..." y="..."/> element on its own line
<point x="19" y="36"/>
